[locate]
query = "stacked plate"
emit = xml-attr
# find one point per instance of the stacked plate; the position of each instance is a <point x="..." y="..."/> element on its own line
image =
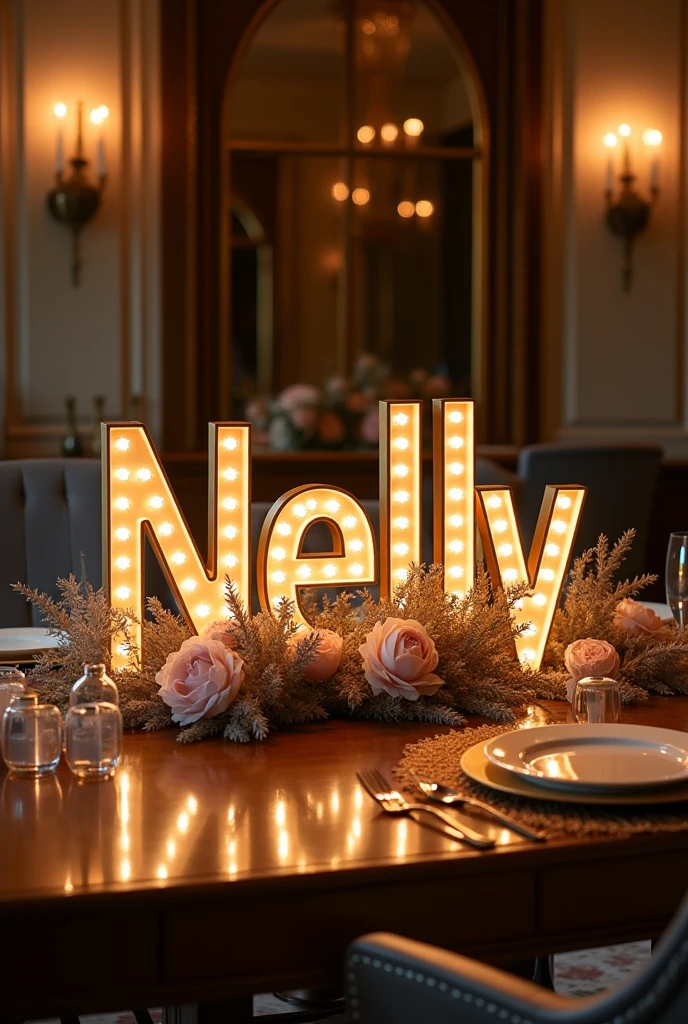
<point x="20" y="644"/>
<point x="585" y="763"/>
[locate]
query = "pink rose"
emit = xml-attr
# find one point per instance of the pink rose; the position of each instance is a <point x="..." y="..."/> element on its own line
<point x="200" y="681"/>
<point x="370" y="427"/>
<point x="327" y="658"/>
<point x="298" y="395"/>
<point x="399" y="658"/>
<point x="303" y="417"/>
<point x="222" y="630"/>
<point x="636" y="618"/>
<point x="589" y="658"/>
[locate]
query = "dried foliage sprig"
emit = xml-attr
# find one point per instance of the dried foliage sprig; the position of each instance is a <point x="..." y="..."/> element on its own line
<point x="648" y="664"/>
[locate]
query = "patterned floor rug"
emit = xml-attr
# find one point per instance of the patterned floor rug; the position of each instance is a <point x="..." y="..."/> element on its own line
<point x="582" y="973"/>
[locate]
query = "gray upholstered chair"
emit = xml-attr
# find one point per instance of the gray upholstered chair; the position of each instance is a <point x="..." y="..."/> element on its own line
<point x="621" y="482"/>
<point x="50" y="520"/>
<point x="390" y="980"/>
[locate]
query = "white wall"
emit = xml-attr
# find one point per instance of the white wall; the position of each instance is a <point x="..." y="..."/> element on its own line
<point x="614" y="362"/>
<point x="102" y="337"/>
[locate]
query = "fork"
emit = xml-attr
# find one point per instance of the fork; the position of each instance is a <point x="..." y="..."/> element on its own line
<point x="392" y="802"/>
<point x="448" y="796"/>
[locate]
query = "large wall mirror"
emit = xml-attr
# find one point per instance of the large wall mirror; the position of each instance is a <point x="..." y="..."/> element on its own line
<point x="353" y="170"/>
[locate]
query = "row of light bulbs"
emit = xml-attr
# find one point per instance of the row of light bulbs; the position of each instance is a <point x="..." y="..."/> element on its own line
<point x="361" y="196"/>
<point x="651" y="136"/>
<point x="413" y="127"/>
<point x="97" y="115"/>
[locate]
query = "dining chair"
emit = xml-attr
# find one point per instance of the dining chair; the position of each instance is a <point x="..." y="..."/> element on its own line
<point x="392" y="980"/>
<point x="50" y="524"/>
<point x="621" y="482"/>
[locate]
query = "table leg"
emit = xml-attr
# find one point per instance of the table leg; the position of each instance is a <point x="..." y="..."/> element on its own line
<point x="238" y="1010"/>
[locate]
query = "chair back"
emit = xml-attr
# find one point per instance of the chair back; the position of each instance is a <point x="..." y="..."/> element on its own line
<point x="621" y="482"/>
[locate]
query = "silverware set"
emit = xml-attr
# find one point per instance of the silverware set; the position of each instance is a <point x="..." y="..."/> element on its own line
<point x="392" y="802"/>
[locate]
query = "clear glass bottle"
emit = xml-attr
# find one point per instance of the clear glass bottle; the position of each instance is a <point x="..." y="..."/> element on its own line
<point x="93" y="739"/>
<point x="93" y="687"/>
<point x="31" y="735"/>
<point x="12" y="681"/>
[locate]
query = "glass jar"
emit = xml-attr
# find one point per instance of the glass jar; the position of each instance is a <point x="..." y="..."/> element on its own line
<point x="31" y="735"/>
<point x="597" y="699"/>
<point x="93" y="739"/>
<point x="12" y="681"/>
<point x="94" y="687"/>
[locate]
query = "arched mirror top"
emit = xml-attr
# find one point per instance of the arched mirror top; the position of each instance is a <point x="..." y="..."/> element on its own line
<point x="368" y="75"/>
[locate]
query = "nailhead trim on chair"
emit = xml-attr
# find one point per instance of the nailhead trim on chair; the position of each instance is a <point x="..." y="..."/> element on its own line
<point x="503" y="1013"/>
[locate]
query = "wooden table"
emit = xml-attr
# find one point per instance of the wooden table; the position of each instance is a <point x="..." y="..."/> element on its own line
<point x="209" y="872"/>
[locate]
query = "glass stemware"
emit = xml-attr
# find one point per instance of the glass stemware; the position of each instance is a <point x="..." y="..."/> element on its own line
<point x="677" y="577"/>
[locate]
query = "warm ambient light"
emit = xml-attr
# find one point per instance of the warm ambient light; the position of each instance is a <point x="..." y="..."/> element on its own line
<point x="389" y="132"/>
<point x="548" y="562"/>
<point x="610" y="139"/>
<point x="424" y="208"/>
<point x="360" y="196"/>
<point x="400" y="459"/>
<point x="454" y="507"/>
<point x="340" y="191"/>
<point x="413" y="126"/>
<point x="141" y="500"/>
<point x="624" y="130"/>
<point x="366" y="133"/>
<point x="299" y="509"/>
<point x="405" y="208"/>
<point x="99" y="114"/>
<point x="60" y="109"/>
<point x="652" y="137"/>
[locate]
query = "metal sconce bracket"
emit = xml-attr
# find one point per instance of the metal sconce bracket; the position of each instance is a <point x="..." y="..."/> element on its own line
<point x="74" y="201"/>
<point x="627" y="217"/>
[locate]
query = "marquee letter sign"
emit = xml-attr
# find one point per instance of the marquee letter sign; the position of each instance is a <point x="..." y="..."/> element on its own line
<point x="283" y="568"/>
<point x="550" y="555"/>
<point x="401" y="481"/>
<point x="453" y="472"/>
<point x="139" y="501"/>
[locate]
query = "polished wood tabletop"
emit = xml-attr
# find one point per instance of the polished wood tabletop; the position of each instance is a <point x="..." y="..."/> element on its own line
<point x="211" y="870"/>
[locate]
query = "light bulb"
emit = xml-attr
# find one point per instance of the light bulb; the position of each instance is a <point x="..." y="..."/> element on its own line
<point x="356" y="545"/>
<point x="552" y="549"/>
<point x="203" y="611"/>
<point x="349" y="522"/>
<point x="510" y="575"/>
<point x="389" y="132"/>
<point x="609" y="139"/>
<point x="340" y="191"/>
<point x="304" y="572"/>
<point x="360" y="196"/>
<point x="279" y="576"/>
<point x="559" y="526"/>
<point x="505" y="549"/>
<point x="122" y="444"/>
<point x="401" y="522"/>
<point x="330" y="570"/>
<point x="230" y="504"/>
<point x="501" y="525"/>
<point x="401" y="470"/>
<point x="178" y="558"/>
<point x="332" y="505"/>
<point x="279" y="554"/>
<point x="189" y="584"/>
<point x="311" y="504"/>
<point x="456" y="494"/>
<point x="122" y="504"/>
<point x="123" y="593"/>
<point x="401" y="549"/>
<point x="230" y="561"/>
<point x="424" y="208"/>
<point x="456" y="572"/>
<point x="494" y="501"/>
<point x="413" y="126"/>
<point x="563" y="501"/>
<point x="122" y="474"/>
<point x="122" y="533"/>
<point x="539" y="599"/>
<point x="401" y="443"/>
<point x="401" y="497"/>
<point x="455" y="441"/>
<point x="284" y="529"/>
<point x="356" y="569"/>
<point x="456" y="416"/>
<point x="406" y="209"/>
<point x="230" y="443"/>
<point x="230" y="474"/>
<point x="456" y="547"/>
<point x="401" y="419"/>
<point x="456" y="468"/>
<point x="652" y="137"/>
<point x="456" y="521"/>
<point x="230" y="532"/>
<point x="166" y="529"/>
<point x="156" y="501"/>
<point x="123" y="562"/>
<point x="143" y="474"/>
<point x="402" y="574"/>
<point x="300" y="510"/>
<point x="60" y="109"/>
<point x="625" y="130"/>
<point x="366" y="133"/>
<point x="547" y="574"/>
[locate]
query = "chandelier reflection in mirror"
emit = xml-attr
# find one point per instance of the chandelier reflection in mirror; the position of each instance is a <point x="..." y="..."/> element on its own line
<point x="352" y="170"/>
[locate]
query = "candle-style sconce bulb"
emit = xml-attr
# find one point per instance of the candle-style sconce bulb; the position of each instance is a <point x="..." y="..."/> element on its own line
<point x="629" y="213"/>
<point x="74" y="200"/>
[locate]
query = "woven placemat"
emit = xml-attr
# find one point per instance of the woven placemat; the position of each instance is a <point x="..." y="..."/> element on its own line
<point x="438" y="758"/>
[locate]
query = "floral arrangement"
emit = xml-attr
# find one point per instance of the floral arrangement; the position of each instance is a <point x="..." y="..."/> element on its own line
<point x="421" y="655"/>
<point x="344" y="414"/>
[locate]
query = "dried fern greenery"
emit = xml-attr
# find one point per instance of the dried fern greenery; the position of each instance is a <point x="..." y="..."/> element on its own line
<point x="648" y="665"/>
<point x="474" y="638"/>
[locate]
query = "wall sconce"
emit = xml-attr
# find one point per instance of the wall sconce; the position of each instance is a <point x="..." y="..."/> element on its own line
<point x="628" y="214"/>
<point x="74" y="201"/>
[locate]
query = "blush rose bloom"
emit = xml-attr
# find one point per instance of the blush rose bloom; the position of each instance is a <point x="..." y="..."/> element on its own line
<point x="221" y="630"/>
<point x="327" y="658"/>
<point x="201" y="680"/>
<point x="636" y="618"/>
<point x="589" y="658"/>
<point x="399" y="658"/>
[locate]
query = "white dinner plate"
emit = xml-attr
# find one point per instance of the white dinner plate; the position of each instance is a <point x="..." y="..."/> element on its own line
<point x="594" y="757"/>
<point x="21" y="643"/>
<point x="476" y="766"/>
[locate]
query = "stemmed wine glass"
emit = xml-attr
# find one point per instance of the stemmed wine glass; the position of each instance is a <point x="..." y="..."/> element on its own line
<point x="677" y="577"/>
